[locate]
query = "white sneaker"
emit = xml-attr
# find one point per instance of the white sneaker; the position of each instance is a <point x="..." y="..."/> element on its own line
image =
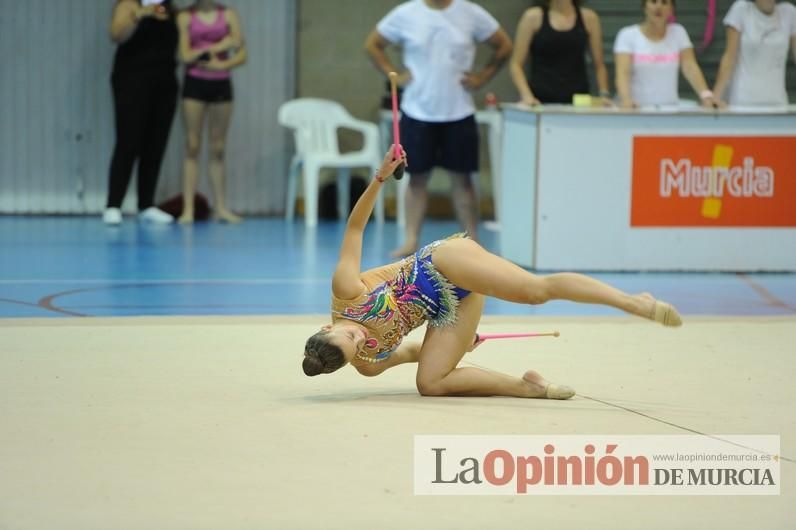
<point x="112" y="216"/>
<point x="156" y="216"/>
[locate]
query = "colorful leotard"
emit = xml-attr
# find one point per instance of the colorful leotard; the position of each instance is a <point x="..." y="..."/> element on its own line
<point x="400" y="298"/>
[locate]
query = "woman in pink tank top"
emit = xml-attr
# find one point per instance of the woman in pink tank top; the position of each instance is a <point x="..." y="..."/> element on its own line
<point x="211" y="45"/>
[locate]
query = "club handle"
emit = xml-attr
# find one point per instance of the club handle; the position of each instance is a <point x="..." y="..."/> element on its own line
<point x="399" y="171"/>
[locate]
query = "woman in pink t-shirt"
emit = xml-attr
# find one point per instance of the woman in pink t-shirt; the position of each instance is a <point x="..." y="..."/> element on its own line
<point x="211" y="44"/>
<point x="649" y="56"/>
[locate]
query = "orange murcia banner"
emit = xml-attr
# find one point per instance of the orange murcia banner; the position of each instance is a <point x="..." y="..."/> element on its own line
<point x="705" y="181"/>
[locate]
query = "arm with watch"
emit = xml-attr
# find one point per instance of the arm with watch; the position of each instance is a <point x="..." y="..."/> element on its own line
<point x="692" y="73"/>
<point x="623" y="65"/>
<point x="594" y="30"/>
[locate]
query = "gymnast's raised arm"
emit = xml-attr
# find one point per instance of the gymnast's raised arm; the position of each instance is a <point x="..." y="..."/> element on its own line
<point x="346" y="282"/>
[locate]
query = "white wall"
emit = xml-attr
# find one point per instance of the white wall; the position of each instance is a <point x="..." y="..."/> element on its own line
<point x="56" y="118"/>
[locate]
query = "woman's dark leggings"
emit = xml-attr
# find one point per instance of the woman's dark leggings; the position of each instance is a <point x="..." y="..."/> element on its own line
<point x="144" y="105"/>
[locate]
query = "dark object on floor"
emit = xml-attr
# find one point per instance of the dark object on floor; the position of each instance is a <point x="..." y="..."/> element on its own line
<point x="201" y="207"/>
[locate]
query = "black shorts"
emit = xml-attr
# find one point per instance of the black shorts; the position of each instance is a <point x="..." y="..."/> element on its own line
<point x="209" y="91"/>
<point x="452" y="145"/>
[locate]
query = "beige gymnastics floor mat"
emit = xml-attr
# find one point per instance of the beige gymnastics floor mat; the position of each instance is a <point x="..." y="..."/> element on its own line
<point x="194" y="423"/>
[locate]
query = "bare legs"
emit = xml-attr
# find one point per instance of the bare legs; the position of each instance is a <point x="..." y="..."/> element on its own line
<point x="193" y="116"/>
<point x="468" y="265"/>
<point x="464" y="205"/>
<point x="218" y="125"/>
<point x="416" y="204"/>
<point x="219" y="115"/>
<point x="443" y="348"/>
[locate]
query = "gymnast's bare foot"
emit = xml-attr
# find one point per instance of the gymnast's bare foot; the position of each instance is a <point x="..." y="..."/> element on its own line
<point x="658" y="311"/>
<point x="404" y="250"/>
<point x="186" y="219"/>
<point x="540" y="387"/>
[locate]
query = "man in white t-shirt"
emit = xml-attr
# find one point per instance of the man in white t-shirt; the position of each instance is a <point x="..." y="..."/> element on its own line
<point x="649" y="57"/>
<point x="759" y="34"/>
<point x="438" y="39"/>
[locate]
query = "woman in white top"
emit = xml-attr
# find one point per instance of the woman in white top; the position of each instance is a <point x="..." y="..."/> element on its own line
<point x="752" y="69"/>
<point x="648" y="57"/>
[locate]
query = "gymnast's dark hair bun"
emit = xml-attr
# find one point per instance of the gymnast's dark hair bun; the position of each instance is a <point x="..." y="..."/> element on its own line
<point x="321" y="356"/>
<point x="312" y="365"/>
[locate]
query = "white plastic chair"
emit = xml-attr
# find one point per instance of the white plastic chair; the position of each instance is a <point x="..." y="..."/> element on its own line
<point x="315" y="123"/>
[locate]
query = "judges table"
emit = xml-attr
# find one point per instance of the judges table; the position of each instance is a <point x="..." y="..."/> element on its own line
<point x="606" y="189"/>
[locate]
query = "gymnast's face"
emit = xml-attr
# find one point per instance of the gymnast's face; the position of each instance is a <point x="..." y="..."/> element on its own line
<point x="658" y="10"/>
<point x="349" y="337"/>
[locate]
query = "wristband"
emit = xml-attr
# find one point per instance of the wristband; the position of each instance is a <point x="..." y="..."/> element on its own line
<point x="705" y="94"/>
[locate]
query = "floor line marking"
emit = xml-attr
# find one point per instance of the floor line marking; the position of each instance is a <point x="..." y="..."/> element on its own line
<point x="764" y="293"/>
<point x="684" y="428"/>
<point x="665" y="422"/>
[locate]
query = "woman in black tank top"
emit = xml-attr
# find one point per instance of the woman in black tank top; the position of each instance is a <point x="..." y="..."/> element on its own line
<point x="558" y="56"/>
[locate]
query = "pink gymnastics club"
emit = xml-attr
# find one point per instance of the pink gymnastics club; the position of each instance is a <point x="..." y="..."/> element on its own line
<point x="479" y="337"/>
<point x="396" y="134"/>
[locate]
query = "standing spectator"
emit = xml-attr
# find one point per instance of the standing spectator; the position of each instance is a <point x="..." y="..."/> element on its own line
<point x="438" y="127"/>
<point x="211" y="44"/>
<point x="648" y="57"/>
<point x="145" y="99"/>
<point x="753" y="65"/>
<point x="557" y="35"/>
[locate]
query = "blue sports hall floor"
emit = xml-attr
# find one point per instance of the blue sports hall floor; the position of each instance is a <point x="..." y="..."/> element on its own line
<point x="76" y="266"/>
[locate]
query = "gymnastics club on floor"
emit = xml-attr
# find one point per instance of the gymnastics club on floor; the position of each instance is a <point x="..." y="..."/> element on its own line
<point x="479" y="337"/>
<point x="399" y="171"/>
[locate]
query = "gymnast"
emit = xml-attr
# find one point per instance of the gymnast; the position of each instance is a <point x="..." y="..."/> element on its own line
<point x="445" y="284"/>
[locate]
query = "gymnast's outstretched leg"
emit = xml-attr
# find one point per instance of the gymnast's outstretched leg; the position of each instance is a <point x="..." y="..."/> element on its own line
<point x="469" y="266"/>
